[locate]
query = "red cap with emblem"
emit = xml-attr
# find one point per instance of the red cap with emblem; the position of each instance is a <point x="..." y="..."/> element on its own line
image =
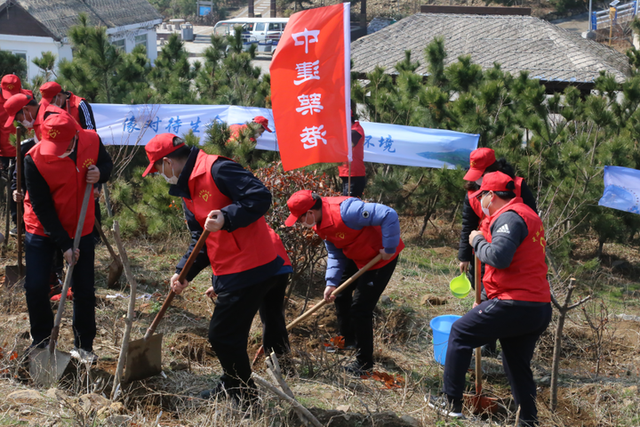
<point x="13" y="106"/>
<point x="11" y="85"/>
<point x="479" y="160"/>
<point x="495" y="181"/>
<point x="159" y="147"/>
<point x="299" y="203"/>
<point x="262" y="121"/>
<point x="49" y="90"/>
<point x="57" y="132"/>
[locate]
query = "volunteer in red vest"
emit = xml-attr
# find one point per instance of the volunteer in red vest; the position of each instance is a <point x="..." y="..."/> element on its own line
<point x="57" y="171"/>
<point x="482" y="161"/>
<point x="222" y="197"/>
<point x="78" y="107"/>
<point x="26" y="110"/>
<point x="237" y="129"/>
<point x="10" y="85"/>
<point x="518" y="308"/>
<point x="354" y="233"/>
<point x="358" y="172"/>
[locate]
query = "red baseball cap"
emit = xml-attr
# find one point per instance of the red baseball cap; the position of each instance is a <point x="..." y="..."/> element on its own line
<point x="299" y="204"/>
<point x="479" y="160"/>
<point x="11" y="85"/>
<point x="14" y="105"/>
<point x="159" y="147"/>
<point x="49" y="90"/>
<point x="262" y="121"/>
<point x="57" y="132"/>
<point x="495" y="181"/>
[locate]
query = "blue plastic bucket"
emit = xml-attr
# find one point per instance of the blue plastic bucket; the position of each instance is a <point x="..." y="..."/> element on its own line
<point x="441" y="327"/>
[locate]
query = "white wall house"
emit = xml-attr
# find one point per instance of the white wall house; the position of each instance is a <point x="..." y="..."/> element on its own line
<point x="29" y="28"/>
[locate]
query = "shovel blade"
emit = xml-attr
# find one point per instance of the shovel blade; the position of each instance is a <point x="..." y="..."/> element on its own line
<point x="482" y="404"/>
<point x="46" y="368"/>
<point x="144" y="359"/>
<point x="115" y="271"/>
<point x="11" y="276"/>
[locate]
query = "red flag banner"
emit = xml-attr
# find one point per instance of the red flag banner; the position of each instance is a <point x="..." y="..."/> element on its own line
<point x="310" y="87"/>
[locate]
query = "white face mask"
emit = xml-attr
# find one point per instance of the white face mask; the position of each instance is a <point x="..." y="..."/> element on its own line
<point x="173" y="180"/>
<point x="479" y="181"/>
<point x="27" y="123"/>
<point x="69" y="151"/>
<point x="485" y="211"/>
<point x="307" y="225"/>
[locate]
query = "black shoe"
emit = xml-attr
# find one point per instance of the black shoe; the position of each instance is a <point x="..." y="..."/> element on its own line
<point x="218" y="391"/>
<point x="445" y="405"/>
<point x="358" y="369"/>
<point x="13" y="232"/>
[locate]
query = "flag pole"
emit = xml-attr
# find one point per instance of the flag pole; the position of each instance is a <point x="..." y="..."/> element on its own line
<point x="349" y="180"/>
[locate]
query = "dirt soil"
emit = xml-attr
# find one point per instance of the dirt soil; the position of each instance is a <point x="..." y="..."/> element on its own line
<point x="599" y="372"/>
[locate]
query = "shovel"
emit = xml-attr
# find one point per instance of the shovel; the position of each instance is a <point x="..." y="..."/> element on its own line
<point x="479" y="403"/>
<point x="13" y="273"/>
<point x="115" y="268"/>
<point x="144" y="356"/>
<point x="47" y="365"/>
<point x="322" y="303"/>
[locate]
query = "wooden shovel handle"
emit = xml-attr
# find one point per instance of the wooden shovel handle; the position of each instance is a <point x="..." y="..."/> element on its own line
<point x="67" y="280"/>
<point x="476" y="279"/>
<point x="336" y="291"/>
<point x="181" y="277"/>
<point x="113" y="254"/>
<point x="19" y="206"/>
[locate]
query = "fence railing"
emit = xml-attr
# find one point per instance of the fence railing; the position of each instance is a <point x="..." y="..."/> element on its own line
<point x="606" y="18"/>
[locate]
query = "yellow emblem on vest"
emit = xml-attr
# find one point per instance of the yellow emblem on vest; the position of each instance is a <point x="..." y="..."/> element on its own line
<point x="53" y="133"/>
<point x="88" y="163"/>
<point x="340" y="235"/>
<point x="205" y="195"/>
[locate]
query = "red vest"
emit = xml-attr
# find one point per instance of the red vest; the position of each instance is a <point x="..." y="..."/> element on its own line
<point x="73" y="106"/>
<point x="282" y="251"/>
<point x="360" y="246"/>
<point x="6" y="149"/>
<point x="235" y="132"/>
<point x="39" y="120"/>
<point x="67" y="183"/>
<point x="526" y="277"/>
<point x="357" y="164"/>
<point x="243" y="249"/>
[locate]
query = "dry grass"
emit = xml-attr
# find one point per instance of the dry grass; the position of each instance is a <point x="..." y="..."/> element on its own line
<point x="402" y="339"/>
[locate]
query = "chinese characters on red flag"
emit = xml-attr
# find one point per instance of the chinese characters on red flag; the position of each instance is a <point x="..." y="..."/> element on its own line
<point x="310" y="87"/>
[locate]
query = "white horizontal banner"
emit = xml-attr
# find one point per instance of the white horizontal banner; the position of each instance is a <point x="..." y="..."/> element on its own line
<point x="384" y="143"/>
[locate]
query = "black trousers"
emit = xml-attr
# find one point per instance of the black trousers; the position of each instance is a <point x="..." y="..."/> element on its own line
<point x="8" y="167"/>
<point x="518" y="325"/>
<point x="357" y="185"/>
<point x="274" y="327"/>
<point x="39" y="254"/>
<point x="229" y="330"/>
<point x="354" y="308"/>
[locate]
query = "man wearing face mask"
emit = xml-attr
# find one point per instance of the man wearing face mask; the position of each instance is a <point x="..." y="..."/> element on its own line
<point x="79" y="108"/>
<point x="222" y="197"/>
<point x="24" y="109"/>
<point x="354" y="233"/>
<point x="57" y="170"/>
<point x="482" y="161"/>
<point x="518" y="308"/>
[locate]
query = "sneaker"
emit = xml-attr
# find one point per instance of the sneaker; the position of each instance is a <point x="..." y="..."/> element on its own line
<point x="84" y="356"/>
<point x="14" y="231"/>
<point x="445" y="405"/>
<point x="358" y="369"/>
